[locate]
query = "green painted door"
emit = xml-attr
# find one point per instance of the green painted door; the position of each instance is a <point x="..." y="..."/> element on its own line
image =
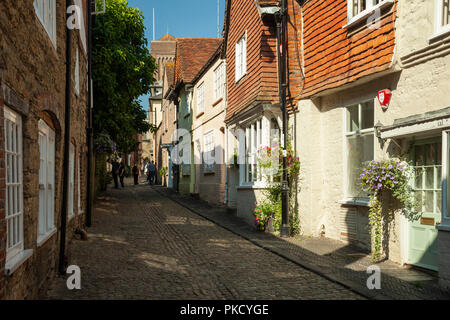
<point x="427" y="159"/>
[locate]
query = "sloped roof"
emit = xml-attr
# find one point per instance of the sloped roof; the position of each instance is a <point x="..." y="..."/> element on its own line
<point x="170" y="71"/>
<point x="191" y="55"/>
<point x="167" y="37"/>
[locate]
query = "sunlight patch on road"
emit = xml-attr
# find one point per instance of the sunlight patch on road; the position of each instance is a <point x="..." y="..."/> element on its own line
<point x="162" y="262"/>
<point x="176" y="220"/>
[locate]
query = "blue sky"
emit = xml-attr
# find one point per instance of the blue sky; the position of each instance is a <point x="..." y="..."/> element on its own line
<point x="193" y="18"/>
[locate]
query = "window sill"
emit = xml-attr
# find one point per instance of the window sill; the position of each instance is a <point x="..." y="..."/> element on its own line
<point x="439" y="35"/>
<point x="42" y="239"/>
<point x="240" y="78"/>
<point x="363" y="15"/>
<point x="255" y="186"/>
<point x="217" y="102"/>
<point x="443" y="227"/>
<point x="200" y="114"/>
<point x="355" y="202"/>
<point x="13" y="264"/>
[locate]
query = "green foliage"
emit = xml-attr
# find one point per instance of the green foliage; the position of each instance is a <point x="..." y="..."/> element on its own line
<point x="391" y="177"/>
<point x="268" y="161"/>
<point x="264" y="212"/>
<point x="163" y="171"/>
<point x="122" y="71"/>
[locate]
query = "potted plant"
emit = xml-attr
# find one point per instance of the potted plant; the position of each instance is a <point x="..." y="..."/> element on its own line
<point x="162" y="173"/>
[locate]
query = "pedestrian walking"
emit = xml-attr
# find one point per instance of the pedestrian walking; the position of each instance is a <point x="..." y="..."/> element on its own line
<point x="151" y="168"/>
<point x="122" y="173"/>
<point x="115" y="173"/>
<point x="135" y="171"/>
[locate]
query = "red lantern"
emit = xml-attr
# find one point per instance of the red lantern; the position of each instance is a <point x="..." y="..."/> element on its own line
<point x="384" y="97"/>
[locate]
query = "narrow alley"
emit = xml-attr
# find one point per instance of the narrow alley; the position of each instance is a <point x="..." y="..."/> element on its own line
<point x="143" y="245"/>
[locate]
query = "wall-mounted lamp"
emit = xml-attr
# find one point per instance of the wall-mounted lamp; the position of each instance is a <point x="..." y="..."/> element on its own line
<point x="377" y="128"/>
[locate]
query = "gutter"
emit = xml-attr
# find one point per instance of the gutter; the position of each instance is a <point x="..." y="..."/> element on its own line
<point x="62" y="243"/>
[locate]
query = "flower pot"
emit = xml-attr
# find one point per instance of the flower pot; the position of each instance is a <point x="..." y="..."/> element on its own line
<point x="269" y="226"/>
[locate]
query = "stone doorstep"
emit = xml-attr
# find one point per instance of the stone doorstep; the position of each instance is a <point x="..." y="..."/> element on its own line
<point x="406" y="275"/>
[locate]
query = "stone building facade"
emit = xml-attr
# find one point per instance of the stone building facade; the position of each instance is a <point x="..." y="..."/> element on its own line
<point x="32" y="103"/>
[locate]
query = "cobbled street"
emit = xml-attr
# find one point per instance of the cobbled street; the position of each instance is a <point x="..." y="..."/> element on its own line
<point x="143" y="245"/>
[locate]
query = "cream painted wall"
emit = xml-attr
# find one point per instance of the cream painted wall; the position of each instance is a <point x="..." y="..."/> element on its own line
<point x="210" y="186"/>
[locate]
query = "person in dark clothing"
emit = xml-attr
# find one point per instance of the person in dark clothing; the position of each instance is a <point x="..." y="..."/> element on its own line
<point x="151" y="168"/>
<point x="122" y="173"/>
<point x="115" y="173"/>
<point x="135" y="171"/>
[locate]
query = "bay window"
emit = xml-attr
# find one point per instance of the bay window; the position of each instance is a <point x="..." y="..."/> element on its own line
<point x="359" y="136"/>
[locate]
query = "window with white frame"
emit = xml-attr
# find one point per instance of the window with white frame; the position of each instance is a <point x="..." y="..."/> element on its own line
<point x="46" y="12"/>
<point x="359" y="136"/>
<point x="442" y="16"/>
<point x="241" y="57"/>
<point x="201" y="98"/>
<point x="219" y="81"/>
<point x="208" y="152"/>
<point x="427" y="183"/>
<point x="77" y="73"/>
<point x="46" y="223"/>
<point x="360" y="7"/>
<point x="71" y="178"/>
<point x="252" y="142"/>
<point x="14" y="183"/>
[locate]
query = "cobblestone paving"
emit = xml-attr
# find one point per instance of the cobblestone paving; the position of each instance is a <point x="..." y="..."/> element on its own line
<point x="142" y="245"/>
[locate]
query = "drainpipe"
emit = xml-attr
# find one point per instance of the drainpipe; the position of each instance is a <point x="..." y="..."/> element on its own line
<point x="65" y="180"/>
<point x="281" y="52"/>
<point x="89" y="132"/>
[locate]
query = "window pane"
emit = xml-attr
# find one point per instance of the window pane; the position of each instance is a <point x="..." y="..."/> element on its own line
<point x="430" y="154"/>
<point x="360" y="150"/>
<point x="352" y="118"/>
<point x="429" y="200"/>
<point x="418" y="155"/>
<point x="367" y="116"/>
<point x="445" y="12"/>
<point x="418" y="180"/>
<point x="429" y="177"/>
